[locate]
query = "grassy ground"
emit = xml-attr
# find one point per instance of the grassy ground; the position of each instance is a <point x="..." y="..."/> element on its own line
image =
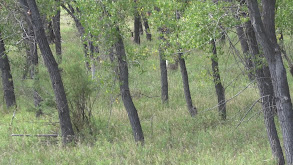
<point x="171" y="135"/>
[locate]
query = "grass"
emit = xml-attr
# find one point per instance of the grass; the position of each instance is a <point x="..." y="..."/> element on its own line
<point x="171" y="135"/>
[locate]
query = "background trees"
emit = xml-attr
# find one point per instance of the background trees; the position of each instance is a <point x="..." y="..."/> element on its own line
<point x="103" y="73"/>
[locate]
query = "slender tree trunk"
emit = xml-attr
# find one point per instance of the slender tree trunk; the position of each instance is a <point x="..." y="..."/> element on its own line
<point x="125" y="92"/>
<point x="94" y="50"/>
<point x="52" y="66"/>
<point x="247" y="57"/>
<point x="140" y="26"/>
<point x="192" y="109"/>
<point x="7" y="81"/>
<point x="136" y="28"/>
<point x="265" y="32"/>
<point x="56" y="28"/>
<point x="137" y="23"/>
<point x="147" y="28"/>
<point x="164" y="75"/>
<point x="51" y="36"/>
<point x="265" y="86"/>
<point x="217" y="80"/>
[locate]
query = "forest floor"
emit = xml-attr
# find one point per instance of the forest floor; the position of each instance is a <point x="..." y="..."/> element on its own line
<point x="171" y="135"/>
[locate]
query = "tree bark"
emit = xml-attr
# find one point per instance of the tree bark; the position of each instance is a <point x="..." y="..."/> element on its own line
<point x="245" y="49"/>
<point x="51" y="36"/>
<point x="192" y="109"/>
<point x="56" y="28"/>
<point x="7" y="81"/>
<point x="136" y="27"/>
<point x="217" y="81"/>
<point x="147" y="28"/>
<point x="266" y="36"/>
<point x="266" y="91"/>
<point x="125" y="92"/>
<point x="140" y="26"/>
<point x="52" y="66"/>
<point x="164" y="76"/>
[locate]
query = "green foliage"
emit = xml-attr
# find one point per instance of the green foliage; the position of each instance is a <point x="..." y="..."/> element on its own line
<point x="79" y="89"/>
<point x="284" y="16"/>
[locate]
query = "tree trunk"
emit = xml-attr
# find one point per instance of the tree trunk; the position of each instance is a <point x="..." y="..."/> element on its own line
<point x="265" y="32"/>
<point x="245" y="49"/>
<point x="136" y="27"/>
<point x="140" y="26"/>
<point x="217" y="80"/>
<point x="164" y="76"/>
<point x="52" y="66"/>
<point x="7" y="81"/>
<point x="56" y="28"/>
<point x="147" y="28"/>
<point x="265" y="86"/>
<point x="94" y="50"/>
<point x="125" y="92"/>
<point x="192" y="110"/>
<point x="51" y="36"/>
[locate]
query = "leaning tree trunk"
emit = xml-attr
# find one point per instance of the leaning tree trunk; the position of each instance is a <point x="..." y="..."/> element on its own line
<point x="52" y="66"/>
<point x="7" y="81"/>
<point x="265" y="32"/>
<point x="125" y="92"/>
<point x="266" y="91"/>
<point x="217" y="80"/>
<point x="192" y="109"/>
<point x="56" y="28"/>
<point x="245" y="49"/>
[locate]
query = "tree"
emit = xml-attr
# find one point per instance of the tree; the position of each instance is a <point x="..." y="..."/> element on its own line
<point x="125" y="92"/>
<point x="217" y="81"/>
<point x="52" y="66"/>
<point x="204" y="27"/>
<point x="147" y="28"/>
<point x="265" y="32"/>
<point x="163" y="69"/>
<point x="192" y="110"/>
<point x="137" y="23"/>
<point x="7" y="81"/>
<point x="265" y="86"/>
